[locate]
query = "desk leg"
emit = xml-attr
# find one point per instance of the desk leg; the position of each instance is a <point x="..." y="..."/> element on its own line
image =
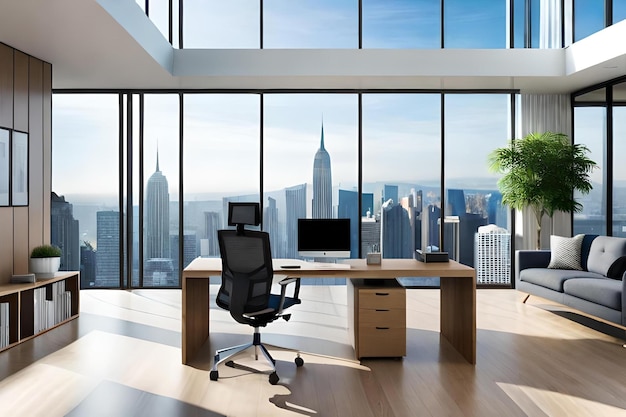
<point x="195" y="318"/>
<point x="458" y="314"/>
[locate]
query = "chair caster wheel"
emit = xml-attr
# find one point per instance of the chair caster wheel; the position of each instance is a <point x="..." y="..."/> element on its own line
<point x="274" y="378"/>
<point x="299" y="361"/>
<point x="213" y="375"/>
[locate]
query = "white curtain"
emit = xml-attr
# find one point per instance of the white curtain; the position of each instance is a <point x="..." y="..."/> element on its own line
<point x="550" y="24"/>
<point x="543" y="113"/>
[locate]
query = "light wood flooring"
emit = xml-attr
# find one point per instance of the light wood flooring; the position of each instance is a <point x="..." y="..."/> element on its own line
<point x="122" y="357"/>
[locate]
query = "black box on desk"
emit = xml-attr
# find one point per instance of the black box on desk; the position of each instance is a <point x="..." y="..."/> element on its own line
<point x="431" y="256"/>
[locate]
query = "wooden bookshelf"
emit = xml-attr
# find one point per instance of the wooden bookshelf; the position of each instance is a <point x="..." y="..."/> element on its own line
<point x="22" y="298"/>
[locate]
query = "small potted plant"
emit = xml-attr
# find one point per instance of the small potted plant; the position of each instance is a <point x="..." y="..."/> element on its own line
<point x="45" y="261"/>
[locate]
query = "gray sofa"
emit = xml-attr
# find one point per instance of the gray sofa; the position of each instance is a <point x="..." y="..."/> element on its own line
<point x="597" y="289"/>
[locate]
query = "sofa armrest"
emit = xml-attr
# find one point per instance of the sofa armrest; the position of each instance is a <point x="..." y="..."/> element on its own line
<point x="530" y="259"/>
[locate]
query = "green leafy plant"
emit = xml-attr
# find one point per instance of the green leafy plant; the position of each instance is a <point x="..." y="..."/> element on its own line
<point x="45" y="251"/>
<point x="542" y="171"/>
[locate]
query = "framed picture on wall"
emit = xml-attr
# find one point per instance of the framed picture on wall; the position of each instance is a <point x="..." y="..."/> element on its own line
<point x="19" y="169"/>
<point x="4" y="166"/>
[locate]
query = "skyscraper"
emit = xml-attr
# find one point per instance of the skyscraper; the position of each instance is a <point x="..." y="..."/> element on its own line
<point x="157" y="224"/>
<point x="295" y="198"/>
<point x="322" y="183"/>
<point x="108" y="249"/>
<point x="64" y="232"/>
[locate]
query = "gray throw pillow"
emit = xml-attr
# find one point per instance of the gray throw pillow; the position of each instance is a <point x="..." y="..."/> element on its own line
<point x="565" y="252"/>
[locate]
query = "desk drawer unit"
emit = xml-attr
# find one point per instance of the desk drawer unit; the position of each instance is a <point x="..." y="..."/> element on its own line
<point x="379" y="318"/>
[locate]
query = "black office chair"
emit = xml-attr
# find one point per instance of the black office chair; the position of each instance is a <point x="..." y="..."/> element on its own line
<point x="247" y="275"/>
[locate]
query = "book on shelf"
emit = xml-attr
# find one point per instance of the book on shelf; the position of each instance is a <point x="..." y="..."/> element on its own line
<point x="4" y="325"/>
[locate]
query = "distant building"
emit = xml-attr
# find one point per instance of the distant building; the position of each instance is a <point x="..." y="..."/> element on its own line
<point x="296" y="209"/>
<point x="64" y="232"/>
<point x="212" y="223"/>
<point x="157" y="224"/>
<point x="108" y="249"/>
<point x="87" y="266"/>
<point x="322" y="183"/>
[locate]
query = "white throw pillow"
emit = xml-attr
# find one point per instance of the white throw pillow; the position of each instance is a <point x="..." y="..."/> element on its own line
<point x="565" y="252"/>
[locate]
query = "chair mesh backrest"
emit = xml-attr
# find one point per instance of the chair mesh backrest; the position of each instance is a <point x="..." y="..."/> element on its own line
<point x="247" y="264"/>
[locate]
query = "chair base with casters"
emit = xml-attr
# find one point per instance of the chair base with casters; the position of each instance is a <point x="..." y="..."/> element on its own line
<point x="223" y="354"/>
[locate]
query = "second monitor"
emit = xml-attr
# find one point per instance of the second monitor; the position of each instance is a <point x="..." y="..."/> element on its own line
<point x="324" y="238"/>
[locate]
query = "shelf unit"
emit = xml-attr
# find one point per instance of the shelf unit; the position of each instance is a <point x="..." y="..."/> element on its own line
<point x="377" y="314"/>
<point x="21" y="299"/>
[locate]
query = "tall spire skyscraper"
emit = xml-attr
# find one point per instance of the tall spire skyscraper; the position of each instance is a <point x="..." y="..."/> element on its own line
<point x="157" y="216"/>
<point x="322" y="183"/>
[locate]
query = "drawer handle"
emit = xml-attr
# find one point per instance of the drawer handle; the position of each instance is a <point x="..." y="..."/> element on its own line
<point x="382" y="293"/>
<point x="382" y="328"/>
<point x="382" y="309"/>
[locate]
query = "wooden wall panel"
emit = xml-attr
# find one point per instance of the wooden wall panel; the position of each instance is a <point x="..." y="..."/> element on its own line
<point x="20" y="91"/>
<point x="36" y="177"/>
<point x="47" y="147"/>
<point x="6" y="86"/>
<point x="26" y="106"/>
<point x="6" y="247"/>
<point x="21" y="251"/>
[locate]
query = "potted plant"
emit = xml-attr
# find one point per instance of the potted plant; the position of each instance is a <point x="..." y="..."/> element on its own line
<point x="541" y="172"/>
<point x="45" y="261"/>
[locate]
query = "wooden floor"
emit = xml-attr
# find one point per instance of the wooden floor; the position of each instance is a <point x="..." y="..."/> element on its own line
<point x="122" y="358"/>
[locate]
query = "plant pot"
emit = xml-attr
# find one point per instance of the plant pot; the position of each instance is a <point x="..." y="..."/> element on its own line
<point x="45" y="268"/>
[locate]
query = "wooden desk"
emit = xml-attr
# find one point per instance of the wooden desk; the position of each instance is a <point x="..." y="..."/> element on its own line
<point x="458" y="295"/>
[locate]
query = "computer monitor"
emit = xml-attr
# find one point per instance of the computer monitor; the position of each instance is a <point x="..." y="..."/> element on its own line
<point x="324" y="238"/>
<point x="243" y="213"/>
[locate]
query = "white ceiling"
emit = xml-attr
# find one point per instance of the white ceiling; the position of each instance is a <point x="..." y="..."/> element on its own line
<point x="111" y="44"/>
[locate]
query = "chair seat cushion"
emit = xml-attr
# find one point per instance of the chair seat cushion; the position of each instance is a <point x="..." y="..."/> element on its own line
<point x="603" y="291"/>
<point x="553" y="278"/>
<point x="274" y="302"/>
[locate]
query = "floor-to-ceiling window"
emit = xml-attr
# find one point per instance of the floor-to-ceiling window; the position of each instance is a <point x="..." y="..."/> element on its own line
<point x="476" y="230"/>
<point x="310" y="164"/>
<point x="221" y="151"/>
<point x="85" y="183"/>
<point x="590" y="129"/>
<point x="401" y="175"/>
<point x="600" y="124"/>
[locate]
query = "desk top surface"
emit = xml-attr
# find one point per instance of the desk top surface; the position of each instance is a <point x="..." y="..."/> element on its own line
<point x="349" y="268"/>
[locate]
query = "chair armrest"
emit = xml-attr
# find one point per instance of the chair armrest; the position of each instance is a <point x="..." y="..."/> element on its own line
<point x="283" y="291"/>
<point x="525" y="259"/>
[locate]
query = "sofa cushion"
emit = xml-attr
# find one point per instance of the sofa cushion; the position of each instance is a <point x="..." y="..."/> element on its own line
<point x="553" y="278"/>
<point x="565" y="252"/>
<point x="605" y="250"/>
<point x="584" y="251"/>
<point x="603" y="291"/>
<point x="617" y="269"/>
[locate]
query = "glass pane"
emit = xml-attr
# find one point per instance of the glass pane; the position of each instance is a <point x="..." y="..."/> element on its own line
<point x="476" y="231"/>
<point x="590" y="130"/>
<point x="220" y="24"/>
<point x="619" y="170"/>
<point x="588" y="18"/>
<point x="222" y="164"/>
<point x="310" y="161"/>
<point x="519" y="24"/>
<point x="619" y="10"/>
<point x="85" y="215"/>
<point x="401" y="24"/>
<point x="475" y="24"/>
<point x="5" y="152"/>
<point x="161" y="167"/>
<point x="158" y="12"/>
<point x="310" y="24"/>
<point x="401" y="176"/>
